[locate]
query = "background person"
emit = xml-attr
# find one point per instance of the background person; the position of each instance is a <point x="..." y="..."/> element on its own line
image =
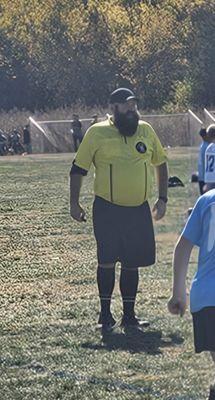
<point x="76" y="128"/>
<point x="27" y="139"/>
<point x="3" y="143"/>
<point x="14" y="142"/>
<point x="122" y="150"/>
<point x="200" y="231"/>
<point x="201" y="159"/>
<point x="209" y="177"/>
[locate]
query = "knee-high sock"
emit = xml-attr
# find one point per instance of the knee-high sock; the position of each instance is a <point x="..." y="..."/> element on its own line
<point x="128" y="286"/>
<point x="105" y="281"/>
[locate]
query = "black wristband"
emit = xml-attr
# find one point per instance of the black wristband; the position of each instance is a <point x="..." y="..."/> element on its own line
<point x="163" y="198"/>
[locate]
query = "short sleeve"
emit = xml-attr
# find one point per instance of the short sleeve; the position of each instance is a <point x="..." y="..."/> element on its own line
<point x="86" y="150"/>
<point x="159" y="155"/>
<point x="193" y="228"/>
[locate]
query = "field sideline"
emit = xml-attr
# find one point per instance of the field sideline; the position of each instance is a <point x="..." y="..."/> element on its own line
<point x="50" y="349"/>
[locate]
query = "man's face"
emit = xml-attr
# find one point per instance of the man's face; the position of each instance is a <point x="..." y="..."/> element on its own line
<point x="126" y="117"/>
<point x="130" y="105"/>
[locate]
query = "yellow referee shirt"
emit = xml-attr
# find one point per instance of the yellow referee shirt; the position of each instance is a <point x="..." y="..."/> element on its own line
<point x="122" y="164"/>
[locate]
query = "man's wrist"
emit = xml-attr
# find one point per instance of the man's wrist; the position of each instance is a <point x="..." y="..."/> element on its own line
<point x="163" y="198"/>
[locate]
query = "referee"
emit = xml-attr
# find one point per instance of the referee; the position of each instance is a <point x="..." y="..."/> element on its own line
<point x="122" y="150"/>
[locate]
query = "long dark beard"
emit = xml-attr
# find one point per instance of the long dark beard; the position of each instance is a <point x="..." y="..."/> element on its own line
<point x="126" y="123"/>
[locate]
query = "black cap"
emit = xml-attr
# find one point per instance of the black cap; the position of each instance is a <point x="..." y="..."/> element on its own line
<point x="211" y="131"/>
<point x="121" y="95"/>
<point x="203" y="132"/>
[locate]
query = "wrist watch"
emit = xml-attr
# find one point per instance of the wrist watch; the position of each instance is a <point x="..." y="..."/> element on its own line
<point x="163" y="198"/>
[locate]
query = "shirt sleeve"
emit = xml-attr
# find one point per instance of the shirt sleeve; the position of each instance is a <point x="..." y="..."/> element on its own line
<point x="86" y="150"/>
<point x="159" y="155"/>
<point x="193" y="228"/>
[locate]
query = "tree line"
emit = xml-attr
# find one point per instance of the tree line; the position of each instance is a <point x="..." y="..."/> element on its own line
<point x="57" y="53"/>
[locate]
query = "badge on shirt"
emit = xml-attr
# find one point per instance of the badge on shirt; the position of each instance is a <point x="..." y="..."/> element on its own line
<point x="141" y="147"/>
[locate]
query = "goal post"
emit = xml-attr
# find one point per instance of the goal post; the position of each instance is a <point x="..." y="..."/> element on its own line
<point x="37" y="136"/>
<point x="209" y="117"/>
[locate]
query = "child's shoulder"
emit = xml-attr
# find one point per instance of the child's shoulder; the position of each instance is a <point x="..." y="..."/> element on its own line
<point x="211" y="148"/>
<point x="205" y="201"/>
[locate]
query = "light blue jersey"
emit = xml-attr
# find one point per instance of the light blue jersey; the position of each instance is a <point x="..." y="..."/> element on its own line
<point x="210" y="164"/>
<point x="201" y="160"/>
<point x="200" y="230"/>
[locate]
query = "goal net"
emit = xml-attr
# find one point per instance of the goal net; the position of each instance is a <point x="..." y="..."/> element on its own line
<point x="194" y="126"/>
<point x="172" y="129"/>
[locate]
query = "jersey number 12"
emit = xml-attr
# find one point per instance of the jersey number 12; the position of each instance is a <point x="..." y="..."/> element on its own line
<point x="210" y="163"/>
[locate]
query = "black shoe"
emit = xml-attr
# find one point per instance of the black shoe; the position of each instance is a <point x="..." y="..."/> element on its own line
<point x="131" y="321"/>
<point x="106" y="322"/>
<point x="212" y="393"/>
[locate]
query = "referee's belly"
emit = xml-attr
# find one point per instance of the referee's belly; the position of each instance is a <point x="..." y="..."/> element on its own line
<point x="123" y="183"/>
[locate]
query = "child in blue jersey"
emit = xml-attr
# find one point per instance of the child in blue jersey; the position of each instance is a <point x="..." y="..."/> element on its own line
<point x="201" y="159"/>
<point x="209" y="176"/>
<point x="200" y="231"/>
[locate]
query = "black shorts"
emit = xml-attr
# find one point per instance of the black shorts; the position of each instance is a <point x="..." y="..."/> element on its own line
<point x="204" y="329"/>
<point x="123" y="234"/>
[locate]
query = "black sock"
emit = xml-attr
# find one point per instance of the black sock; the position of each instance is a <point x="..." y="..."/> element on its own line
<point x="105" y="281"/>
<point x="128" y="286"/>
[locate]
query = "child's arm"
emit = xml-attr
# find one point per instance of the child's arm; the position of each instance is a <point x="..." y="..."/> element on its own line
<point x="178" y="301"/>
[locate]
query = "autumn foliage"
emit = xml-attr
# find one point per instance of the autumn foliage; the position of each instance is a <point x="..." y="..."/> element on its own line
<point x="56" y="53"/>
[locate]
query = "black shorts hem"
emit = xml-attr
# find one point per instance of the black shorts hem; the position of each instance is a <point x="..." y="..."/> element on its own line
<point x="123" y="265"/>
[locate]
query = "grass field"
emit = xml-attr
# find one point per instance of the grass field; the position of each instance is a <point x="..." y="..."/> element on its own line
<point x="49" y="348"/>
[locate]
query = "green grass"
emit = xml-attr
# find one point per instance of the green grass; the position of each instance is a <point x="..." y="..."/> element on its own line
<point x="49" y="304"/>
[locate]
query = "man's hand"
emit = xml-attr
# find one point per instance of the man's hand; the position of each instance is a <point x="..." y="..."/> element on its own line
<point x="177" y="305"/>
<point x="159" y="209"/>
<point x="77" y="213"/>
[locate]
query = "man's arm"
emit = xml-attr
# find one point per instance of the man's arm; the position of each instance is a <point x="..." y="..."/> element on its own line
<point x="76" y="211"/>
<point x="181" y="256"/>
<point x="159" y="208"/>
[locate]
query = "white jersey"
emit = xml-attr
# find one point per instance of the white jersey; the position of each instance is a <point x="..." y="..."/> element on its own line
<point x="210" y="164"/>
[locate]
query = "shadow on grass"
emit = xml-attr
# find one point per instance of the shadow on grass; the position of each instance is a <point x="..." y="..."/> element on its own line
<point x="135" y="341"/>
